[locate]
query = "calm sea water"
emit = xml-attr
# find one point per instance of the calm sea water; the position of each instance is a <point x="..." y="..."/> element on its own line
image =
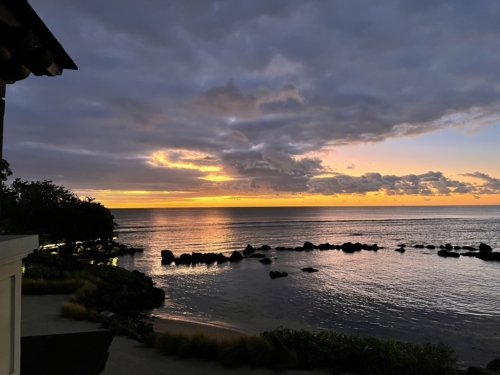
<point x="416" y="296"/>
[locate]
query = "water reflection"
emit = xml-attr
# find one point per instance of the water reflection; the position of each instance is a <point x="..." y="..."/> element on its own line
<point x="414" y="296"/>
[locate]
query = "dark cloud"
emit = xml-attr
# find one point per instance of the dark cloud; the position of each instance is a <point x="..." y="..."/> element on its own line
<point x="254" y="86"/>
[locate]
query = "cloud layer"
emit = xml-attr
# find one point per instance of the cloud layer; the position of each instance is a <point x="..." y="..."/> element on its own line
<point x="211" y="96"/>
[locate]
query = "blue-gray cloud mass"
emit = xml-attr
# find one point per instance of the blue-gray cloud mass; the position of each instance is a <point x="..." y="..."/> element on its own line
<point x="255" y="86"/>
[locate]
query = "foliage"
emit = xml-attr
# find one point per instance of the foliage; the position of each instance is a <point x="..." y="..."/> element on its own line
<point x="55" y="213"/>
<point x="5" y="171"/>
<point x="362" y="355"/>
<point x="74" y="311"/>
<point x="42" y="286"/>
<point x="286" y="349"/>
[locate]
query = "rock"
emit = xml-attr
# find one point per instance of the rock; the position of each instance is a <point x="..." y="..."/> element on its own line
<point x="281" y="248"/>
<point x="265" y="247"/>
<point x="277" y="274"/>
<point x="480" y="371"/>
<point x="221" y="258"/>
<point x="209" y="258"/>
<point x="448" y="247"/>
<point x="444" y="253"/>
<point x="167" y="256"/>
<point x="484" y="248"/>
<point x="248" y="250"/>
<point x="402" y="245"/>
<point x="308" y="245"/>
<point x="457" y="247"/>
<point x="431" y="247"/>
<point x="469" y="254"/>
<point x="266" y="261"/>
<point x="235" y="256"/>
<point x="298" y="248"/>
<point x="197" y="258"/>
<point x="488" y="256"/>
<point x="183" y="259"/>
<point x="349" y="247"/>
<point x="494" y="365"/>
<point x="470" y="248"/>
<point x="309" y="269"/>
<point x="400" y="250"/>
<point x="257" y="255"/>
<point x="418" y="246"/>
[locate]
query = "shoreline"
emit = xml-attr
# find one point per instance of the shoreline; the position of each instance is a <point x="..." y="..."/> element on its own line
<point x="168" y="325"/>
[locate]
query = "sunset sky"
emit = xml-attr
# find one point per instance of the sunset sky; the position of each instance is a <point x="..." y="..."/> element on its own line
<point x="262" y="103"/>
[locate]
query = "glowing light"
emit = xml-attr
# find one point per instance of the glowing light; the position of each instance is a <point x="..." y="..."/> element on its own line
<point x="183" y="159"/>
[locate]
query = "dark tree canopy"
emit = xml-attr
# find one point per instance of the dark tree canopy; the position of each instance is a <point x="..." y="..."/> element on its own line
<point x="5" y="171"/>
<point x="56" y="214"/>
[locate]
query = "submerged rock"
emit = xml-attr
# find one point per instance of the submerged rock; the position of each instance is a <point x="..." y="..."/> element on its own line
<point x="431" y="247"/>
<point x="450" y="254"/>
<point x="470" y="248"/>
<point x="265" y="247"/>
<point x="400" y="250"/>
<point x="277" y="274"/>
<point x="310" y="269"/>
<point x="266" y="261"/>
<point x="488" y="256"/>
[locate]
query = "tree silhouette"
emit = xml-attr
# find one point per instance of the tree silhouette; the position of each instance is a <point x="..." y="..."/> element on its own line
<point x="55" y="213"/>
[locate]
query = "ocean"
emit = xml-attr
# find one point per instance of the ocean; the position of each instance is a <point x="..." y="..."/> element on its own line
<point x="416" y="296"/>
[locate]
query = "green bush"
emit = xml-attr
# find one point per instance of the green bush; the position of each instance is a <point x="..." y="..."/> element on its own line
<point x="363" y="355"/>
<point x="41" y="271"/>
<point x="42" y="286"/>
<point x="284" y="348"/>
<point x="85" y="294"/>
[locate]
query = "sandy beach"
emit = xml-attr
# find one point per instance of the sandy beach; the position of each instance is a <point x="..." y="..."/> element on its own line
<point x="40" y="316"/>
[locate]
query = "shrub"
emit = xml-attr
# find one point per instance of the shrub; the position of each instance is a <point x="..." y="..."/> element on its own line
<point x="74" y="311"/>
<point x="41" y="286"/>
<point x="85" y="294"/>
<point x="284" y="348"/>
<point x="41" y="271"/>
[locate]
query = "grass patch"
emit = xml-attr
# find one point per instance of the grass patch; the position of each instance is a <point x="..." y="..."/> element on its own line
<point x="75" y="311"/>
<point x="284" y="348"/>
<point x="42" y="286"/>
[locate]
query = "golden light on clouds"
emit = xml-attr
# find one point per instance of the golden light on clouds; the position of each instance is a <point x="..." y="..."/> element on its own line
<point x="183" y="159"/>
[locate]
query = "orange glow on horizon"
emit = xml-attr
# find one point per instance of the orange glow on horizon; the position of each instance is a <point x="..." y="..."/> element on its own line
<point x="163" y="199"/>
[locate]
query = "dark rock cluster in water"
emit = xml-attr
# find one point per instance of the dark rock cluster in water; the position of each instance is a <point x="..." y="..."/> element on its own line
<point x="484" y="252"/>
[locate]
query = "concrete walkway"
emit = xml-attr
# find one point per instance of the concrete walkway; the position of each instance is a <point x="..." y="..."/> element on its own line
<point x="40" y="316"/>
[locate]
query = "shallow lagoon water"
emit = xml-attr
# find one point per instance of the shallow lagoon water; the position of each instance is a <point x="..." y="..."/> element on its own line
<point x="416" y="296"/>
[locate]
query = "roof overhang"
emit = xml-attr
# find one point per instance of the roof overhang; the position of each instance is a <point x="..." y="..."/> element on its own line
<point x="27" y="45"/>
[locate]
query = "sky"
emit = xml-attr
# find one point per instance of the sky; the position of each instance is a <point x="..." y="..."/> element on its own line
<point x="265" y="103"/>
